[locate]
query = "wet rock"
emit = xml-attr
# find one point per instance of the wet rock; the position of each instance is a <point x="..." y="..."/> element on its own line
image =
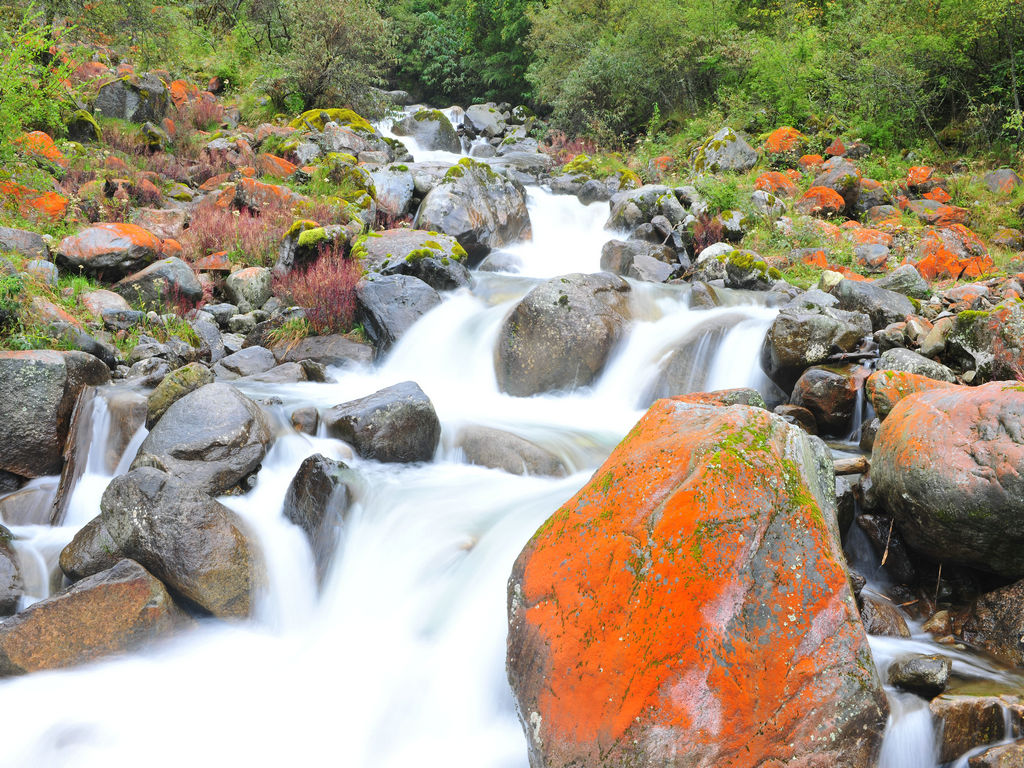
<point x="888" y="543"/>
<point x="434" y="258"/>
<point x="90" y="551"/>
<point x="798" y="416"/>
<point x="881" y="305"/>
<point x="108" y="251"/>
<point x="995" y="622"/>
<point x="245" y="362"/>
<point x="949" y="465"/>
<point x="115" y="611"/>
<point x="911" y="362"/>
<point x="685" y="368"/>
<point x="630" y="258"/>
<point x="164" y="282"/>
<point x="486" y="120"/>
<point x="498" y="449"/>
<point x="926" y="676"/>
<point x="801" y="337"/>
<point x="830" y="393"/>
<point x="477" y="207"/>
<point x="991" y="343"/>
<point x="212" y="437"/>
<point x="673" y="551"/>
<point x="38" y="391"/>
<point x="389" y="305"/>
<point x="561" y="334"/>
<point x="632" y="207"/>
<point x="395" y="424"/>
<point x="867" y="434"/>
<point x="317" y="501"/>
<point x="1005" y="756"/>
<point x="305" y="420"/>
<point x="195" y="545"/>
<point x="431" y="130"/>
<point x="175" y="386"/>
<point x="334" y="349"/>
<point x="211" y="343"/>
<point x="882" y="618"/>
<point x="11" y="586"/>
<point x="967" y="722"/>
<point x="884" y="389"/>
<point x="843" y="178"/>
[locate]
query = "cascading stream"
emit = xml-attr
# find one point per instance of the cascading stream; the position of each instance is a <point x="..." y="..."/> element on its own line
<point x="400" y="659"/>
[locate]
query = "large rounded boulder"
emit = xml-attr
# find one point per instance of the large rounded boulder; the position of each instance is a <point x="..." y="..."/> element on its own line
<point x="949" y="465"/>
<point x="396" y="424"/>
<point x="317" y="499"/>
<point x="431" y="130"/>
<point x="212" y="437"/>
<point x="192" y="543"/>
<point x="691" y="607"/>
<point x="561" y="334"/>
<point x="434" y="258"/>
<point x="476" y="206"/>
<point x="38" y="391"/>
<point x="109" y="251"/>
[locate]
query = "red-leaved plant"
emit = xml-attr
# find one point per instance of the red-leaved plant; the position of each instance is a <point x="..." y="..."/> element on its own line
<point x="706" y="231"/>
<point x="326" y="289"/>
<point x="252" y="239"/>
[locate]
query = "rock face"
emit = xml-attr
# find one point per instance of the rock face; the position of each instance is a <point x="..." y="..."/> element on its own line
<point x="887" y="387"/>
<point x="175" y="386"/>
<point x="89" y="552"/>
<point x="907" y="360"/>
<point x="135" y="99"/>
<point x="396" y="424"/>
<point x="989" y="343"/>
<point x="114" y="611"/>
<point x="949" y="465"/>
<point x="477" y="207"/>
<point x="108" y="251"/>
<point x="881" y="305"/>
<point x="560" y="335"/>
<point x="726" y="151"/>
<point x="389" y="305"/>
<point x="690" y="607"/>
<point x="497" y="449"/>
<point x="434" y="258"/>
<point x="38" y="391"/>
<point x="195" y="545"/>
<point x="10" y="575"/>
<point x="830" y="393"/>
<point x="212" y="437"/>
<point x="316" y="501"/>
<point x="431" y="130"/>
<point x="966" y="722"/>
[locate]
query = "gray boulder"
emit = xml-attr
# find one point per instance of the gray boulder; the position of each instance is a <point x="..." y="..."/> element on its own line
<point x="90" y="551"/>
<point x="38" y="391"/>
<point x="396" y="424"/>
<point x="477" y="207"/>
<point x="138" y="99"/>
<point x="388" y="305"/>
<point x="434" y="258"/>
<point x="899" y="359"/>
<point x="907" y="280"/>
<point x="802" y="336"/>
<point x="632" y="258"/>
<point x="212" y="437"/>
<point x="498" y="449"/>
<point x="561" y="334"/>
<point x="29" y="244"/>
<point x="486" y="120"/>
<point x="245" y="362"/>
<point x="431" y="130"/>
<point x="161" y="282"/>
<point x="881" y="305"/>
<point x="317" y="501"/>
<point x="193" y="544"/>
<point x="926" y="676"/>
<point x="333" y="349"/>
<point x="395" y="187"/>
<point x="725" y="151"/>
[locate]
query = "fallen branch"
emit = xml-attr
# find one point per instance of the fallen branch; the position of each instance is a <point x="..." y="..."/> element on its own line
<point x="855" y="466"/>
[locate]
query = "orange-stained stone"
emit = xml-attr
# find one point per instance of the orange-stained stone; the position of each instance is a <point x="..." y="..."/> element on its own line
<point x="41" y="145"/>
<point x="819" y="259"/>
<point x="256" y="195"/>
<point x="938" y="194"/>
<point x="169" y="128"/>
<point x="109" y="250"/>
<point x="866" y="236"/>
<point x="951" y="252"/>
<point x="811" y="162"/>
<point x="836" y="148"/>
<point x="170" y="247"/>
<point x="215" y="262"/>
<point x="214" y="182"/>
<point x="777" y="183"/>
<point x="690" y="607"/>
<point x="114" y="163"/>
<point x="33" y="204"/>
<point x="89" y="70"/>
<point x="182" y="92"/>
<point x="662" y="163"/>
<point x="784" y="139"/>
<point x="820" y="201"/>
<point x="920" y="175"/>
<point x="886" y="388"/>
<point x="270" y="165"/>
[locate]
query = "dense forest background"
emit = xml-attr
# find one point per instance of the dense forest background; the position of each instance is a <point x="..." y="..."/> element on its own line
<point x="894" y="72"/>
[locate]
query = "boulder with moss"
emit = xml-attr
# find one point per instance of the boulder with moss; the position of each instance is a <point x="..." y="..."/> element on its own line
<point x="436" y="259"/>
<point x="431" y="130"/>
<point x="725" y="151"/>
<point x="137" y="99"/>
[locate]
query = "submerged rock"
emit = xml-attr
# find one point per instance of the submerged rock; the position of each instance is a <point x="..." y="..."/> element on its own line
<point x="498" y="449"/>
<point x="926" y="676"/>
<point x="316" y="501"/>
<point x="690" y="606"/>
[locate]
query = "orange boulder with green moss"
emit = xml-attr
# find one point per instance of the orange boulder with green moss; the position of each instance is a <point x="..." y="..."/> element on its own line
<point x="690" y="607"/>
<point x="886" y="388"/>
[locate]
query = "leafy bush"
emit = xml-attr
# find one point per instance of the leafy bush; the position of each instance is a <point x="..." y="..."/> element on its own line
<point x="246" y="237"/>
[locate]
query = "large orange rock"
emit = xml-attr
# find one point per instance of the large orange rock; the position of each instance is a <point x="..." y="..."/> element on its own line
<point x="34" y="204"/>
<point x="777" y="183"/>
<point x="110" y="251"/>
<point x="989" y="343"/>
<point x="114" y="611"/>
<point x="949" y="465"/>
<point x="784" y="139"/>
<point x="951" y="252"/>
<point x="41" y="145"/>
<point x="821" y="201"/>
<point x="690" y="607"/>
<point x="886" y="388"/>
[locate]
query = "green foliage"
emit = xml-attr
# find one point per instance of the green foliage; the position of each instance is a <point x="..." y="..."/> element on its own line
<point x="721" y="194"/>
<point x="31" y="94"/>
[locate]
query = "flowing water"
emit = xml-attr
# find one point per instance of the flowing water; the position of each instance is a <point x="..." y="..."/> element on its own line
<point x="399" y="659"/>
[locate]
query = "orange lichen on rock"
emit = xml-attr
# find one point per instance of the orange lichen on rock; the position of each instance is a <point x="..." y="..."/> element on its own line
<point x="886" y="388"/>
<point x="951" y="252"/>
<point x="867" y="236"/>
<point x="270" y="165"/>
<point x="182" y="92"/>
<point x="818" y="258"/>
<point x="777" y="183"/>
<point x="811" y="162"/>
<point x="41" y="145"/>
<point x="692" y="600"/>
<point x="836" y="148"/>
<point x="938" y="194"/>
<point x="34" y="204"/>
<point x="784" y="139"/>
<point x="820" y="201"/>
